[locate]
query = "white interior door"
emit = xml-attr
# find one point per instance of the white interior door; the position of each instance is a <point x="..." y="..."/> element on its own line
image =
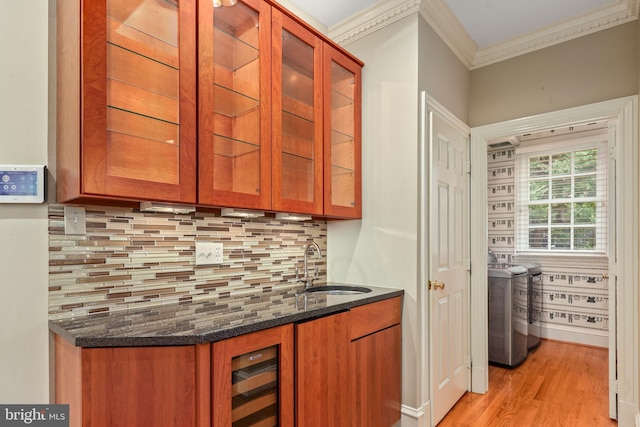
<point x="448" y="274"/>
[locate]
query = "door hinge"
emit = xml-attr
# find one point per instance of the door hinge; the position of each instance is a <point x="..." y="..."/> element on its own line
<point x="468" y="264"/>
<point x="613" y="386"/>
<point x="612" y="152"/>
<point x="469" y="363"/>
<point x="468" y="166"/>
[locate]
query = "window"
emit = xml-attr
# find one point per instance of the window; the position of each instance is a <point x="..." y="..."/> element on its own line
<point x="562" y="198"/>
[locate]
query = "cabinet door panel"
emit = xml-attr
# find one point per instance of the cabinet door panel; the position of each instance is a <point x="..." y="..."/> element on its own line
<point x="235" y="112"/>
<point x="322" y="370"/>
<point x="138" y="66"/>
<point x="376" y="374"/>
<point x="142" y="386"/>
<point x="297" y="117"/>
<point x="343" y="136"/>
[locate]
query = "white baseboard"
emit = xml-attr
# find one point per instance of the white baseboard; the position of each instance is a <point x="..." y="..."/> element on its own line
<point x="415" y="417"/>
<point x="585" y="338"/>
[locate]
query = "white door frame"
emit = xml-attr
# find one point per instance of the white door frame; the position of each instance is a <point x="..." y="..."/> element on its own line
<point x="625" y="111"/>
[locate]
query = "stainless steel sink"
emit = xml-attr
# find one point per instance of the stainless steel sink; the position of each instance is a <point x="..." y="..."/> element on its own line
<point x="338" y="290"/>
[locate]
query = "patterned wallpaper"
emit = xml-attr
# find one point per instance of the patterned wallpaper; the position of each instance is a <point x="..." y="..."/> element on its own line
<point x="574" y="297"/>
<point x="130" y="259"/>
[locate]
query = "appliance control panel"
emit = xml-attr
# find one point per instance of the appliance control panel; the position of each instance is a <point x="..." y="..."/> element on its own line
<point x="22" y="183"/>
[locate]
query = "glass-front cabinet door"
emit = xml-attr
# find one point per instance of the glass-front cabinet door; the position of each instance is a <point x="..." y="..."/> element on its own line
<point x="234" y="104"/>
<point x="342" y="149"/>
<point x="297" y="117"/>
<point x="253" y="379"/>
<point x="136" y="108"/>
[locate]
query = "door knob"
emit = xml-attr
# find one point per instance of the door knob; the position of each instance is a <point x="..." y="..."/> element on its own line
<point x="435" y="284"/>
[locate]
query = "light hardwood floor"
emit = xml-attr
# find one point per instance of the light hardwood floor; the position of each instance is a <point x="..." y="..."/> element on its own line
<point x="559" y="384"/>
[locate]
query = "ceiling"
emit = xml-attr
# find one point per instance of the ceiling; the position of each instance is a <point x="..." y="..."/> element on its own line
<point x="489" y="24"/>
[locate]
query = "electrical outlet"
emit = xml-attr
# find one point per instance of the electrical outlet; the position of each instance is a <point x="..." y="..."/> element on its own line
<point x="208" y="253"/>
<point x="217" y="253"/>
<point x="75" y="220"/>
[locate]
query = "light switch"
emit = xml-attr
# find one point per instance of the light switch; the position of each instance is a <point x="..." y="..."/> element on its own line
<point x="75" y="220"/>
<point x="208" y="253"/>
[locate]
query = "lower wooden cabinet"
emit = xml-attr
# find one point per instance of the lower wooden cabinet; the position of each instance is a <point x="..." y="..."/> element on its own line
<point x="348" y="367"/>
<point x="131" y="386"/>
<point x="347" y="370"/>
<point x="252" y="379"/>
<point x="376" y="363"/>
<point x="376" y="370"/>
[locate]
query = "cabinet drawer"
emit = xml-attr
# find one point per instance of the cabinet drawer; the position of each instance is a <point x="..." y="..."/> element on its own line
<point x="370" y="318"/>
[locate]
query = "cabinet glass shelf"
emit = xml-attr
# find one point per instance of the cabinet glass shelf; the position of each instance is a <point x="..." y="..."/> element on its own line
<point x="338" y="137"/>
<point x="342" y="80"/>
<point x="231" y="103"/>
<point x="297" y="135"/>
<point x="232" y="53"/>
<point x="339" y="99"/>
<point x="140" y="126"/>
<point x="342" y="155"/>
<point x="240" y="22"/>
<point x="297" y="177"/>
<point x="340" y="170"/>
<point x="297" y="55"/>
<point x="297" y="85"/>
<point x="229" y="147"/>
<point x="129" y="134"/>
<point x="143" y="30"/>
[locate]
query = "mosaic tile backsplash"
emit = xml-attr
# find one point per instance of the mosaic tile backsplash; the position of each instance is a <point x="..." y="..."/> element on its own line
<point x="129" y="258"/>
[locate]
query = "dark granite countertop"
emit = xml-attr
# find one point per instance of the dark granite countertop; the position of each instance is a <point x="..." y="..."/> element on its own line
<point x="209" y="320"/>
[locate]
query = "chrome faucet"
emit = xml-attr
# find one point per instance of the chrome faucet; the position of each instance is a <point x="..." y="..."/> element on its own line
<point x="307" y="279"/>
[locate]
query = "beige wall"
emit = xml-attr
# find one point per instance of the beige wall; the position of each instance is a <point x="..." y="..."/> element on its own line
<point x="23" y="228"/>
<point x="593" y="68"/>
<point x="381" y="250"/>
<point x="441" y="73"/>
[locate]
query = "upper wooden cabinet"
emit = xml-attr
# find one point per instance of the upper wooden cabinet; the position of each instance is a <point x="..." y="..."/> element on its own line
<point x="243" y="106"/>
<point x="234" y="68"/>
<point x="126" y="103"/>
<point x="342" y="135"/>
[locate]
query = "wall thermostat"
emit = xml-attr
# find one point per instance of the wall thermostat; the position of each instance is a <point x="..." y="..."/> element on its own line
<point x="22" y="183"/>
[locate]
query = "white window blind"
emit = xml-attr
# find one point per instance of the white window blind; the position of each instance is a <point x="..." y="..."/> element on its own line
<point x="561" y="197"/>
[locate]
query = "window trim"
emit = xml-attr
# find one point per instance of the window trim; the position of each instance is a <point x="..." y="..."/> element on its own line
<point x="523" y="154"/>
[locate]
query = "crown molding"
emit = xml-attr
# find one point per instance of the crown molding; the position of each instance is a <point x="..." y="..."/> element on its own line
<point x="373" y="18"/>
<point x="442" y="20"/>
<point x="450" y="30"/>
<point x="620" y="13"/>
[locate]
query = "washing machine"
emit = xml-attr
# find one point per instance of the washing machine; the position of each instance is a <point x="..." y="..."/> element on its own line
<point x="508" y="315"/>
